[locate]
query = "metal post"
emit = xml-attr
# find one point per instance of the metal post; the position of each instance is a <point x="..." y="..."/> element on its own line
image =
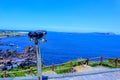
<point x="101" y="60"/>
<point x="71" y="65"/>
<point x="52" y="67"/>
<point x="38" y="53"/>
<point x="87" y="61"/>
<point x="116" y="62"/>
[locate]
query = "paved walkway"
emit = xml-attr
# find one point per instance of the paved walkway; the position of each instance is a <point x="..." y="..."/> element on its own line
<point x="86" y="68"/>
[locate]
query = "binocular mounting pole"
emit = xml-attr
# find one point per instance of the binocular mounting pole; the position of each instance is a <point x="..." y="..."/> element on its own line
<point x="39" y="63"/>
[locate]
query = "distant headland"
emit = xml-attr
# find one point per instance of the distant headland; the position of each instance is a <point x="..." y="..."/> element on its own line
<point x="9" y="33"/>
<point x="105" y="33"/>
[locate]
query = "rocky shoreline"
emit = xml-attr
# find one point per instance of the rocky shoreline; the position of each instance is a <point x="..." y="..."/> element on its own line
<point x="11" y="58"/>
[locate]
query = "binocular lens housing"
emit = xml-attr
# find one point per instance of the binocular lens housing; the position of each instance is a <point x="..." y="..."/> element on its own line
<point x="37" y="34"/>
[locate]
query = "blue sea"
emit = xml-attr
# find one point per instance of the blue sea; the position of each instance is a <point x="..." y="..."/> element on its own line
<point x="62" y="47"/>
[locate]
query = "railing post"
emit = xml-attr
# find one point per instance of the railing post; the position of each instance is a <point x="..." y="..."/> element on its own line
<point x="5" y="74"/>
<point x="87" y="61"/>
<point x="101" y="60"/>
<point x="52" y="67"/>
<point x="116" y="62"/>
<point x="71" y="65"/>
<point x="31" y="71"/>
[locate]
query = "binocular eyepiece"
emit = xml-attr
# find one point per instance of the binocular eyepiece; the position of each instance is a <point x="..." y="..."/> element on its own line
<point x="36" y="35"/>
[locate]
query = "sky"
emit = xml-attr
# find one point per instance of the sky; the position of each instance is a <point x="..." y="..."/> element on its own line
<point x="61" y="15"/>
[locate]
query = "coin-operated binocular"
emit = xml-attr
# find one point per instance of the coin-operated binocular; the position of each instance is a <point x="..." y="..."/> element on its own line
<point x="36" y="36"/>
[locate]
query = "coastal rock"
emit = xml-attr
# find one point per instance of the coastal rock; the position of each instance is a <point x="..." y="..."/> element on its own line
<point x="9" y="53"/>
<point x="30" y="51"/>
